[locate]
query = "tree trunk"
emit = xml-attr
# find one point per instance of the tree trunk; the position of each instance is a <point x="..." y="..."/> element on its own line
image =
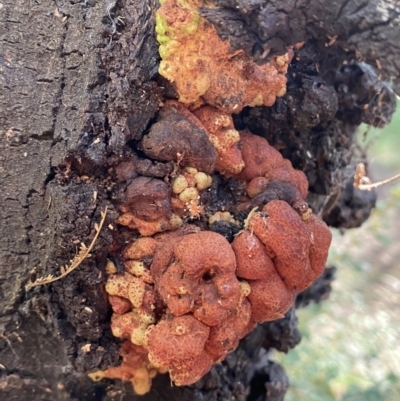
<point x="79" y="86"/>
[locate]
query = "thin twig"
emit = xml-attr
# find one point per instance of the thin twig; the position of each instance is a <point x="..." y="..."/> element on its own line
<point x="83" y="253"/>
<point x="361" y="181"/>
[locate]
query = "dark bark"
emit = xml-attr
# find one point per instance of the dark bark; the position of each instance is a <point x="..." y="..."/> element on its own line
<point x="79" y="87"/>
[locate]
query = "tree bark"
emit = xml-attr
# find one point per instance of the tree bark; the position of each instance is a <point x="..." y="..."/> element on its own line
<point x="79" y="86"/>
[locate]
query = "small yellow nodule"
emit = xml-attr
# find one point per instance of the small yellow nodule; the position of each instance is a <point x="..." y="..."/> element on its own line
<point x="179" y="184"/>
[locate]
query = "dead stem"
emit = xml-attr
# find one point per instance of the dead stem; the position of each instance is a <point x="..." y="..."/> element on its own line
<point x="361" y="181"/>
<point x="83" y="253"/>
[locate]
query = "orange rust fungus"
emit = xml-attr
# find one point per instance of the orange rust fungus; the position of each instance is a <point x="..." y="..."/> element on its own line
<point x="253" y="262"/>
<point x="256" y="186"/>
<point x="203" y="68"/>
<point x="262" y="160"/>
<point x="178" y="345"/>
<point x="119" y="305"/>
<point x="202" y="279"/>
<point x="287" y="240"/>
<point x="123" y="325"/>
<point x="299" y="253"/>
<point x="270" y="299"/>
<point x="222" y="134"/>
<point x="320" y="241"/>
<point x="141" y="248"/>
<point x="135" y="368"/>
<point x="182" y="304"/>
<point x="225" y="336"/>
<point x="149" y="227"/>
<point x="187" y="295"/>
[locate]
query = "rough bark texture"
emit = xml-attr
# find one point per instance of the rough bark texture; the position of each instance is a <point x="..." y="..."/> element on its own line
<point x="78" y="88"/>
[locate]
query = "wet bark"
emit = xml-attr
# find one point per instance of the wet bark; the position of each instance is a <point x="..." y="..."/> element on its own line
<point x="78" y="87"/>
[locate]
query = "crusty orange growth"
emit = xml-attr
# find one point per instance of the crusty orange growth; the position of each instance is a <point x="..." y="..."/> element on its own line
<point x="262" y="160"/>
<point x="225" y="336"/>
<point x="123" y="325"/>
<point x="320" y="241"/>
<point x="135" y="368"/>
<point x="202" y="67"/>
<point x="256" y="186"/>
<point x="141" y="248"/>
<point x="201" y="278"/>
<point x="119" y="305"/>
<point x="287" y="240"/>
<point x="187" y="295"/>
<point x="280" y="255"/>
<point x="178" y="344"/>
<point x="253" y="262"/>
<point x="206" y="294"/>
<point x="270" y="299"/>
<point x="222" y="134"/>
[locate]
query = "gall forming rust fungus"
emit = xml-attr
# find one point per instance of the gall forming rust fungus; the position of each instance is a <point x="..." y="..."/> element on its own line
<point x="188" y="295"/>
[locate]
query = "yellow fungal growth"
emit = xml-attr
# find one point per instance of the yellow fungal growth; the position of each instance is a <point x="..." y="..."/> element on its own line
<point x="203" y="68"/>
<point x="186" y="189"/>
<point x="245" y="288"/>
<point x="179" y="184"/>
<point x="118" y="285"/>
<point x="221" y="216"/>
<point x="135" y="267"/>
<point x="189" y="194"/>
<point x="146" y="317"/>
<point x="138" y="335"/>
<point x="203" y="180"/>
<point x="135" y="368"/>
<point x="138" y="269"/>
<point x="136" y="291"/>
<point x="141" y="381"/>
<point x="140" y="248"/>
<point x="191" y="170"/>
<point x="110" y="267"/>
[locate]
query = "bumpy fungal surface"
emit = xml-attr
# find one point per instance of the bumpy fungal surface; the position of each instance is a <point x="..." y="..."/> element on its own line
<point x="203" y="68"/>
<point x="198" y="274"/>
<point x="189" y="292"/>
<point x="224" y="137"/>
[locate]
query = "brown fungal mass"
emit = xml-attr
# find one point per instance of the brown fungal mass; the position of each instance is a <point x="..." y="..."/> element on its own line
<point x="188" y="295"/>
<point x="178" y="134"/>
<point x="147" y="207"/>
<point x="148" y="199"/>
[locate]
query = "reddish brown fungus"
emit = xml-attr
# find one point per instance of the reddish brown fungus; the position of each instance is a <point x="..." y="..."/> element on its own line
<point x="287" y="240"/>
<point x="262" y="160"/>
<point x="177" y="344"/>
<point x="188" y="295"/>
<point x="201" y="278"/>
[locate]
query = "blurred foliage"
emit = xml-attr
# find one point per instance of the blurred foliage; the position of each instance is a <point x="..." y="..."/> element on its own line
<point x="351" y="342"/>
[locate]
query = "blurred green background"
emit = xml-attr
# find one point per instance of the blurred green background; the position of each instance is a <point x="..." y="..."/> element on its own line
<point x="351" y="342"/>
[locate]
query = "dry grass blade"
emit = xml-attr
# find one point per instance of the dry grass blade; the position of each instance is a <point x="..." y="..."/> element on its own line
<point x="361" y="181"/>
<point x="84" y="252"/>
